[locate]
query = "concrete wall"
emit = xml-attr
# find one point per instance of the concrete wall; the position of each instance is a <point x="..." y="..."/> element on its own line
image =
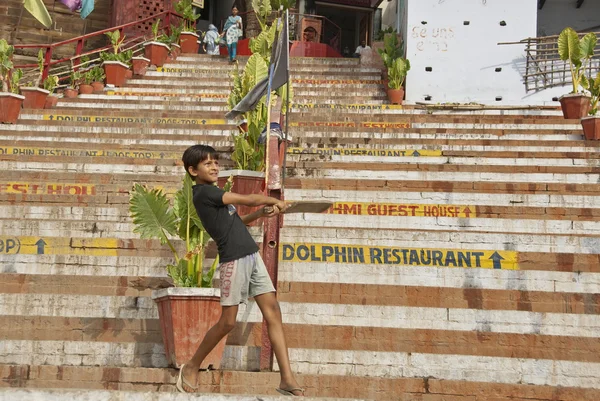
<point x="466" y="62"/>
<point x="558" y="14"/>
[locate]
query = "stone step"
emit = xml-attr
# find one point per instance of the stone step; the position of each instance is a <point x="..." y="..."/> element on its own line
<point x="210" y="109"/>
<point x="298" y="75"/>
<point x="161" y="381"/>
<point x="177" y="67"/>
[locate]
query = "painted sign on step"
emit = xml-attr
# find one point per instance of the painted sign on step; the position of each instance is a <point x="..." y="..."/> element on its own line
<point x="65" y="152"/>
<point x="28" y="188"/>
<point x="338" y="81"/>
<point x="366" y="152"/>
<point x="354" y="107"/>
<point x="134" y="120"/>
<point x="402" y="209"/>
<point x="13" y="245"/>
<point x="384" y="255"/>
<point x="186" y="70"/>
<point x="346" y="124"/>
<point x="170" y="94"/>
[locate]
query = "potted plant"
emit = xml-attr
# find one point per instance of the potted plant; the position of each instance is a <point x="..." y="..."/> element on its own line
<point x="397" y="74"/>
<point x="174" y="41"/>
<point x="591" y="124"/>
<point x="189" y="309"/>
<point x="391" y="51"/>
<point x="85" y="85"/>
<point x="72" y="89"/>
<point x="50" y="84"/>
<point x="578" y="53"/>
<point x="98" y="76"/>
<point x="10" y="100"/>
<point x="35" y="96"/>
<point x="140" y="65"/>
<point x="116" y="63"/>
<point x="188" y="38"/>
<point x="157" y="50"/>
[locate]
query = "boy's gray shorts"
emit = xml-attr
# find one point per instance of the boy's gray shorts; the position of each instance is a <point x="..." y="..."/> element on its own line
<point x="243" y="278"/>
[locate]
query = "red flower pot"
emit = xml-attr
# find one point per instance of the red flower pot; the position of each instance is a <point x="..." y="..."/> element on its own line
<point x="35" y="98"/>
<point x="140" y="65"/>
<point x="71" y="93"/>
<point x="10" y="107"/>
<point x="575" y="105"/>
<point x="156" y="52"/>
<point x="246" y="183"/>
<point x="185" y="315"/>
<point x="51" y="102"/>
<point x="128" y="74"/>
<point x="86" y="89"/>
<point x="395" y="95"/>
<point x="591" y="128"/>
<point x="189" y="42"/>
<point x="115" y="72"/>
<point x="98" y="86"/>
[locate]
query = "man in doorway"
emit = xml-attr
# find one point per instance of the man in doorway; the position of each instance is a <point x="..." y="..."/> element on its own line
<point x="363" y="46"/>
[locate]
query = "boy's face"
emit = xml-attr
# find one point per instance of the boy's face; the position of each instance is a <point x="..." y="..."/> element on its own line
<point x="206" y="172"/>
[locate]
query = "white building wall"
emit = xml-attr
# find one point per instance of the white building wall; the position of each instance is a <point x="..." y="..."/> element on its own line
<point x="464" y="58"/>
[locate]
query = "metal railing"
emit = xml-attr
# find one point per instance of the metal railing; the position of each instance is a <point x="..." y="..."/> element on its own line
<point x="330" y="33"/>
<point x="543" y="66"/>
<point x="62" y="67"/>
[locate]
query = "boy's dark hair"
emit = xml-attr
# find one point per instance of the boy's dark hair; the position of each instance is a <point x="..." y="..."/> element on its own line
<point x="197" y="154"/>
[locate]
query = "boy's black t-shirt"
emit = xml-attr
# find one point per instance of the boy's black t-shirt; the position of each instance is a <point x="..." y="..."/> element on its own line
<point x="223" y="223"/>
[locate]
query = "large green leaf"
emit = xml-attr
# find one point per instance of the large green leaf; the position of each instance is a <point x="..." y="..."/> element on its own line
<point x="151" y="214"/>
<point x="184" y="207"/>
<point x="256" y="69"/>
<point x="568" y="46"/>
<point x="587" y="45"/>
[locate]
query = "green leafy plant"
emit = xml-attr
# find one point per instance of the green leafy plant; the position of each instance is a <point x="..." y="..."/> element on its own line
<point x="187" y="11"/>
<point x="262" y="10"/>
<point x="50" y="83"/>
<point x="154" y="218"/>
<point x="6" y="65"/>
<point x="15" y="77"/>
<point x="75" y="80"/>
<point x="381" y="34"/>
<point x="97" y="74"/>
<point x="40" y="60"/>
<point x="397" y="73"/>
<point x="287" y="4"/>
<point x="594" y="88"/>
<point x="87" y="77"/>
<point x="578" y="53"/>
<point x="391" y="51"/>
<point x="155" y="29"/>
<point x="116" y="42"/>
<point x="175" y="33"/>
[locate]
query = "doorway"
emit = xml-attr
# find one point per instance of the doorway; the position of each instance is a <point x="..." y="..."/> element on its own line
<point x="355" y="23"/>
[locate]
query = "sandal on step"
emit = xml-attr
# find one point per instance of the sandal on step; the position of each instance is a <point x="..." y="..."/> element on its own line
<point x="289" y="391"/>
<point x="181" y="382"/>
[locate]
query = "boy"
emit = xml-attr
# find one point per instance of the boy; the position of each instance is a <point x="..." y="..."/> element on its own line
<point x="243" y="273"/>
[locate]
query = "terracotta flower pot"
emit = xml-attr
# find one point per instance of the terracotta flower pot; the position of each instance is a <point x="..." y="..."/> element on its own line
<point x="591" y="128"/>
<point x="51" y="102"/>
<point x="35" y="98"/>
<point x="175" y="50"/>
<point x="156" y="52"/>
<point x="246" y="183"/>
<point x="395" y="95"/>
<point x="185" y="315"/>
<point x="71" y="93"/>
<point x="575" y="105"/>
<point x="129" y="74"/>
<point x="189" y="42"/>
<point x="86" y="89"/>
<point x="98" y="86"/>
<point x="10" y="107"/>
<point x="140" y="65"/>
<point x="115" y="72"/>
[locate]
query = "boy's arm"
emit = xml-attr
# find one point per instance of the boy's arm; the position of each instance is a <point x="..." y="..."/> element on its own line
<point x="231" y="198"/>
<point x="267" y="211"/>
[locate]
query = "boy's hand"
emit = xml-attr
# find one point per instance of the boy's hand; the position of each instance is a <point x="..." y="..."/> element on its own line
<point x="270" y="211"/>
<point x="281" y="205"/>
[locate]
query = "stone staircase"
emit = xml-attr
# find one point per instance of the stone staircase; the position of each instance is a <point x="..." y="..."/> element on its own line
<point x="459" y="263"/>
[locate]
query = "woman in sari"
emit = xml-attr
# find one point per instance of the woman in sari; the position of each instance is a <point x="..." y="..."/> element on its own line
<point x="233" y="30"/>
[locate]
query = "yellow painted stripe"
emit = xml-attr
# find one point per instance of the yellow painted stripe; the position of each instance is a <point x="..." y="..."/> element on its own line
<point x="383" y="255"/>
<point x="58" y="246"/>
<point x="169" y="94"/>
<point x="137" y="120"/>
<point x="366" y="152"/>
<point x="347" y="124"/>
<point x="67" y="152"/>
<point x="337" y="81"/>
<point x="56" y="188"/>
<point x="372" y="107"/>
<point x="403" y="209"/>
